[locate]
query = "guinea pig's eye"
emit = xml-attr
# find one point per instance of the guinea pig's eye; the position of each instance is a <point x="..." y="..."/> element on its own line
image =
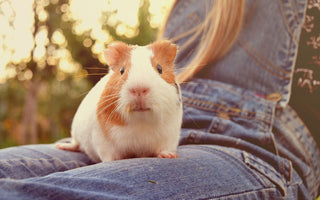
<point x="122" y="70"/>
<point x="159" y="68"/>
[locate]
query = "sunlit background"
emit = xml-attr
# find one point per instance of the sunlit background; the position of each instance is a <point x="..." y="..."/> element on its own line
<point x="51" y="55"/>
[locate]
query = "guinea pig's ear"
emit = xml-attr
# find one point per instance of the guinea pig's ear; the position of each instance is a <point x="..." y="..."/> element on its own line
<point x="115" y="53"/>
<point x="165" y="50"/>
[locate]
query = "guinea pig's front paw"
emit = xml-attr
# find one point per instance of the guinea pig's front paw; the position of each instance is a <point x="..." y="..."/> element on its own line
<point x="167" y="154"/>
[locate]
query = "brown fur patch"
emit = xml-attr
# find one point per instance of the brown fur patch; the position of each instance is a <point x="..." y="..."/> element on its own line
<point x="117" y="56"/>
<point x="164" y="54"/>
<point x="106" y="110"/>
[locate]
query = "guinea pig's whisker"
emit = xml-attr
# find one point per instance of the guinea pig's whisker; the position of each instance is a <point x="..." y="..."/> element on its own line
<point x="111" y="114"/>
<point x="112" y="87"/>
<point x="84" y="93"/>
<point x="107" y="101"/>
<point x="96" y="74"/>
<point x="191" y="118"/>
<point x="107" y="96"/>
<point x="85" y="75"/>
<point x="105" y="108"/>
<point x="97" y="68"/>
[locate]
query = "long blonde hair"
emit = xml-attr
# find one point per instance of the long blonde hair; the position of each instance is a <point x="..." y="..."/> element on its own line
<point x="218" y="32"/>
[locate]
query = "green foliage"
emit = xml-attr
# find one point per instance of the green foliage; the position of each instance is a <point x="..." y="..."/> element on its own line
<point x="11" y="99"/>
<point x="57" y="103"/>
<point x="56" y="98"/>
<point x="146" y="33"/>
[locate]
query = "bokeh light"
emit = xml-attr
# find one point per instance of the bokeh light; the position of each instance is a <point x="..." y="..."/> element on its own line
<point x="17" y="43"/>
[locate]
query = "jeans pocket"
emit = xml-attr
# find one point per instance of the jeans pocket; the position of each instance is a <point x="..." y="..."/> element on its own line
<point x="279" y="176"/>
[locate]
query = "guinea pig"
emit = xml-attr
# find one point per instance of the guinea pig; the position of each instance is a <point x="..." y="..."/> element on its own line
<point x="133" y="111"/>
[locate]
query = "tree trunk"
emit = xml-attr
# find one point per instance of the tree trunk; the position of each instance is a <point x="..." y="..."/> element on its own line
<point x="29" y="132"/>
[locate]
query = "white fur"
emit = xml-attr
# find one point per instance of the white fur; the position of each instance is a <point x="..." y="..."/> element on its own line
<point x="145" y="133"/>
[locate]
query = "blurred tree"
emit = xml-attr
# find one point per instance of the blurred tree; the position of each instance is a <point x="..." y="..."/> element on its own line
<point x="38" y="103"/>
<point x="146" y="33"/>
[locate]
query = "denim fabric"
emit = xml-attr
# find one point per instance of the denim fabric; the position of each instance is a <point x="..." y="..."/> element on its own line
<point x="200" y="172"/>
<point x="263" y="56"/>
<point x="37" y="160"/>
<point x="221" y="114"/>
<point x="249" y="88"/>
<point x="239" y="140"/>
<point x="296" y="143"/>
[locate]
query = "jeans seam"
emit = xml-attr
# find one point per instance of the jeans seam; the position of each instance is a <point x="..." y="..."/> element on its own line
<point x="311" y="174"/>
<point x="287" y="23"/>
<point x="258" y="176"/>
<point x="257" y="57"/>
<point x="192" y="136"/>
<point x="286" y="178"/>
<point x="235" y="159"/>
<point x="44" y="159"/>
<point x="309" y="158"/>
<point x="295" y="11"/>
<point x="211" y="108"/>
<point x="267" y="125"/>
<point x="278" y="172"/>
<point x="252" y="191"/>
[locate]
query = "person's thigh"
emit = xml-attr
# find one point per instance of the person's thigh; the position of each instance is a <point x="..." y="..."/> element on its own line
<point x="38" y="160"/>
<point x="199" y="172"/>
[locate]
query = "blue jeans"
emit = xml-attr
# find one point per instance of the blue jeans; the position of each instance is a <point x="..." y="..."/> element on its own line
<point x="200" y="172"/>
<point x="239" y="139"/>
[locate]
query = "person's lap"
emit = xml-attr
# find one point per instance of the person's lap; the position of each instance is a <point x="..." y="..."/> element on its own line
<point x="199" y="172"/>
<point x="38" y="160"/>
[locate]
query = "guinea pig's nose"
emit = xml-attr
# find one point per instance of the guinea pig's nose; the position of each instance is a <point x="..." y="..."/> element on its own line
<point x="139" y="91"/>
